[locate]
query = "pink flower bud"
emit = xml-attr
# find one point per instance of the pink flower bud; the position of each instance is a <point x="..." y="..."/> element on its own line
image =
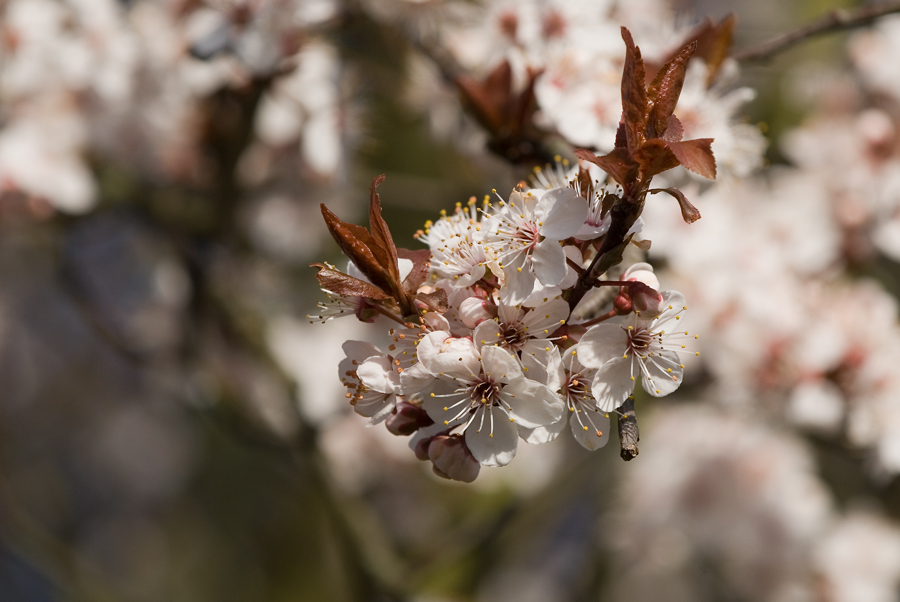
<point x="406" y="419"/>
<point x="642" y="272"/>
<point x="645" y="298"/>
<point x="452" y="459"/>
<point x="622" y="303"/>
<point x="472" y="311"/>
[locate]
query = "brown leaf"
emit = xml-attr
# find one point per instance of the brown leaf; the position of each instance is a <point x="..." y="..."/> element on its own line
<point x="584" y="181"/>
<point x="490" y="99"/>
<point x="436" y="300"/>
<point x="655" y="157"/>
<point x="634" y="93"/>
<point x="689" y="213"/>
<point x="421" y="260"/>
<point x="714" y="44"/>
<point x="342" y="284"/>
<point x="383" y="248"/>
<point x="617" y="164"/>
<point x="696" y="155"/>
<point x="356" y="250"/>
<point x="674" y="130"/>
<point x="665" y="90"/>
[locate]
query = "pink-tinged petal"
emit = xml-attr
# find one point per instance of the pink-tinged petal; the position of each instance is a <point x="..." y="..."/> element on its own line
<point x="440" y="354"/>
<point x="517" y="286"/>
<point x="612" y="384"/>
<point x="560" y="213"/>
<point x="665" y="373"/>
<point x="533" y="404"/>
<point x="542" y="434"/>
<point x="547" y="317"/>
<point x="492" y="438"/>
<point x="500" y="365"/>
<point x="602" y="343"/>
<point x="487" y="333"/>
<point x="549" y="262"/>
<point x="594" y="421"/>
<point x="377" y="374"/>
<point x="673" y="306"/>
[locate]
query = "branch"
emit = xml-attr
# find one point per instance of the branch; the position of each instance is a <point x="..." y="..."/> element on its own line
<point x="835" y="20"/>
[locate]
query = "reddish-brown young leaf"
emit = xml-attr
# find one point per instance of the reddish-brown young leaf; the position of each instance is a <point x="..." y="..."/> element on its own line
<point x="358" y="252"/>
<point x="490" y="99"/>
<point x="621" y="138"/>
<point x="714" y="44"/>
<point x="634" y="93"/>
<point x="383" y="249"/>
<point x="343" y="284"/>
<point x="696" y="155"/>
<point x="585" y="185"/>
<point x="421" y="260"/>
<point x="618" y="164"/>
<point x="665" y="90"/>
<point x="655" y="157"/>
<point x="436" y="300"/>
<point x="689" y="213"/>
<point x="674" y="130"/>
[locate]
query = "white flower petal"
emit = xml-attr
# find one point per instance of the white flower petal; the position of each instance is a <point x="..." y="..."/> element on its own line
<point x="377" y="374"/>
<point x="560" y="213"/>
<point x="486" y="333"/>
<point x="602" y="343"/>
<point x="612" y="384"/>
<point x="549" y="262"/>
<point x="594" y="421"/>
<point x="442" y="354"/>
<point x="492" y="438"/>
<point x="500" y="365"/>
<point x="517" y="286"/>
<point x="546" y="317"/>
<point x="542" y="434"/>
<point x="665" y="372"/>
<point x="673" y="305"/>
<point x="533" y="404"/>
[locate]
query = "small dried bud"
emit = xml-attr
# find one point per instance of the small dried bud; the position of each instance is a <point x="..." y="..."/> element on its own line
<point x="452" y="459"/>
<point x="472" y="312"/>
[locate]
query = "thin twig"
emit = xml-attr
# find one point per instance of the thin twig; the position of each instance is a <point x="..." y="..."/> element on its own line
<point x="835" y="20"/>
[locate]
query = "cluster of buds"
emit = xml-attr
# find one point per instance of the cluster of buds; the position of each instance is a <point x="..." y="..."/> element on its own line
<point x="491" y="342"/>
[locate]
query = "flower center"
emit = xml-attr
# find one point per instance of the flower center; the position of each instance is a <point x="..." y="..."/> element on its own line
<point x="514" y="335"/>
<point x="639" y="340"/>
<point x="485" y="391"/>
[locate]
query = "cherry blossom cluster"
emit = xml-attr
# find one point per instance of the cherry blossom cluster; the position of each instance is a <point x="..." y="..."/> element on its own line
<point x="492" y="344"/>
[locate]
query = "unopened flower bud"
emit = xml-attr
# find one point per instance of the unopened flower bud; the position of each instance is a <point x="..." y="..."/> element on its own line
<point x="472" y="312"/>
<point x="622" y="304"/>
<point x="452" y="459"/>
<point x="406" y="419"/>
<point x="645" y="298"/>
<point x="642" y="272"/>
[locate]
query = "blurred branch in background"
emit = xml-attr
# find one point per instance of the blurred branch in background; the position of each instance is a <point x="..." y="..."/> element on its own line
<point x="835" y="20"/>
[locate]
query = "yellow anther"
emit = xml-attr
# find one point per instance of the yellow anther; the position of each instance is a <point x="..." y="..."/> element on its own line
<point x="585" y="428"/>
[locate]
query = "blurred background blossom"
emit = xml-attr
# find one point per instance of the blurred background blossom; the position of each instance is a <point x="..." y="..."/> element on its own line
<point x="173" y="428"/>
